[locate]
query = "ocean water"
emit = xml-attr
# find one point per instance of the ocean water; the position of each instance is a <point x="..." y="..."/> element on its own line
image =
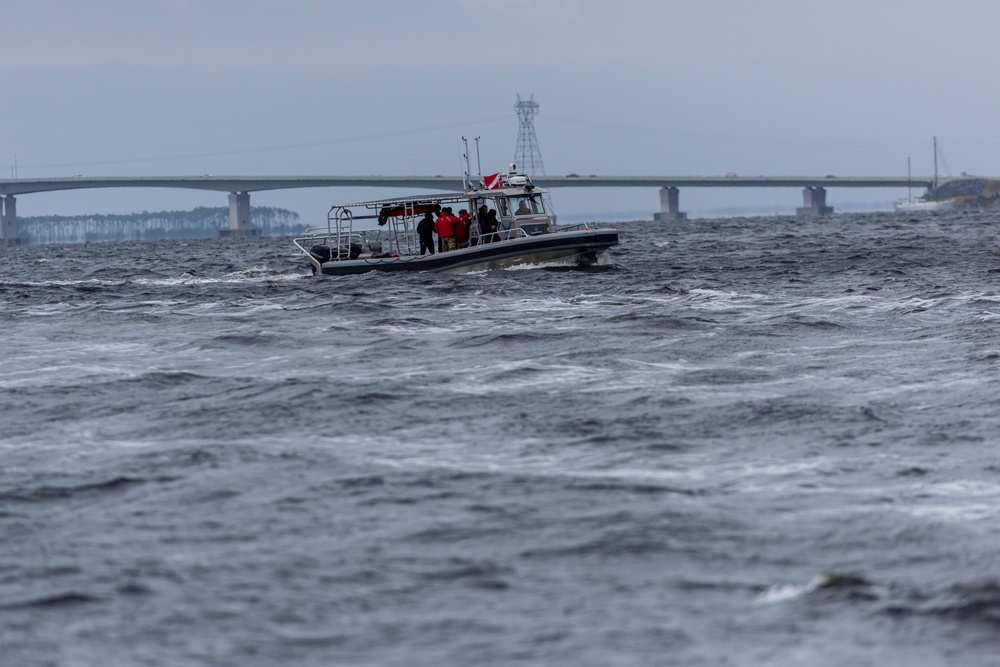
<point x="758" y="441"/>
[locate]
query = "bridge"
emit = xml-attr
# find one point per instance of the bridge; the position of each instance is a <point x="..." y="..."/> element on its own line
<point x="239" y="188"/>
<point x="813" y="187"/>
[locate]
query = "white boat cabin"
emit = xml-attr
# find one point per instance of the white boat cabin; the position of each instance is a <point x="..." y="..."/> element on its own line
<point x="518" y="207"/>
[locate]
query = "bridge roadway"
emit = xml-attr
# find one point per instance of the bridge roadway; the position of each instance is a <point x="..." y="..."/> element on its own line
<point x="239" y="187"/>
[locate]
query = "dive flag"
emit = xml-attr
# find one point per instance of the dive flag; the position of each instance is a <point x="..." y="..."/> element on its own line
<point x="493" y="181"/>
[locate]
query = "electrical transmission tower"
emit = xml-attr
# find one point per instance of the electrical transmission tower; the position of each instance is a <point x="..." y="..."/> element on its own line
<point x="527" y="157"/>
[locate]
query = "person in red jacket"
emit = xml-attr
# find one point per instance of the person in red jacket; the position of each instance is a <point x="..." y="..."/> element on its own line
<point x="445" y="228"/>
<point x="462" y="229"/>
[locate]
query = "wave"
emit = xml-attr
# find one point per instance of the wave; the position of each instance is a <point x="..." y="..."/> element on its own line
<point x="976" y="602"/>
<point x="47" y="493"/>
<point x="68" y="599"/>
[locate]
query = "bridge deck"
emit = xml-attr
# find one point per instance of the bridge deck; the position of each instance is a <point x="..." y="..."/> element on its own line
<point x="258" y="183"/>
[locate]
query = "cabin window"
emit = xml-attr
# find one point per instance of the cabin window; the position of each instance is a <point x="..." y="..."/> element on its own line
<point x="527" y="205"/>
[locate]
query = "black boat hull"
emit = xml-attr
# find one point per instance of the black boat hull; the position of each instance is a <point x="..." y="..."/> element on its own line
<point x="583" y="247"/>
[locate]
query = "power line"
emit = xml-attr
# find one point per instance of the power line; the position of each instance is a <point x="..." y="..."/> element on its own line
<point x="268" y="149"/>
<point x="981" y="149"/>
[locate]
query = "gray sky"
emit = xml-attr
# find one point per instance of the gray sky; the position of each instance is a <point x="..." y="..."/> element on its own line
<point x="665" y="87"/>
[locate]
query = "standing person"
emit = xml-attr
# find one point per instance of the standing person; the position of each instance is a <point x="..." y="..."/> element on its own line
<point x="462" y="229"/>
<point x="494" y="224"/>
<point x="445" y="228"/>
<point x="425" y="230"/>
<point x="482" y="219"/>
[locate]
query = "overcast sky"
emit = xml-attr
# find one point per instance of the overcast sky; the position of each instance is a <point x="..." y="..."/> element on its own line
<point x="337" y="87"/>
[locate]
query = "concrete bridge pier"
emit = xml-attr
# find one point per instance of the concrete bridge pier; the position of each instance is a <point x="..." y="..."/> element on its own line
<point x="239" y="216"/>
<point x="8" y="223"/>
<point x="814" y="202"/>
<point x="670" y="209"/>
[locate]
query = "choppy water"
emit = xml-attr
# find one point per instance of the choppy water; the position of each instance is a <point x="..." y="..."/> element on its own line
<point x="748" y="442"/>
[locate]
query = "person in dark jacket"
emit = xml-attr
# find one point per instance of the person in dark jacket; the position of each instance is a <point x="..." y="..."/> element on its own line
<point x="486" y="226"/>
<point x="493" y="223"/>
<point x="425" y="230"/>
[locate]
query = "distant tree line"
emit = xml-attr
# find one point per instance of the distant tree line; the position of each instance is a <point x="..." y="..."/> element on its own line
<point x="201" y="222"/>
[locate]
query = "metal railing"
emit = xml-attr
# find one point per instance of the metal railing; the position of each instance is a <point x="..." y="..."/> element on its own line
<point x="587" y="226"/>
<point x="502" y="235"/>
<point x="339" y="235"/>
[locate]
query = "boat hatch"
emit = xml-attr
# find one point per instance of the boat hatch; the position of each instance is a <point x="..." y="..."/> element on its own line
<point x="534" y="228"/>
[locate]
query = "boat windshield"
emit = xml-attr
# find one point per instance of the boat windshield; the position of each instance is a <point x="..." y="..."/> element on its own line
<point x="527" y="205"/>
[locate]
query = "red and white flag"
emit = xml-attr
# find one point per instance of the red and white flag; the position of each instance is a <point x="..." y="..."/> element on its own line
<point x="493" y="181"/>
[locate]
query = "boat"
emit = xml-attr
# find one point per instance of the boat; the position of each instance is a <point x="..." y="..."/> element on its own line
<point x="525" y="234"/>
<point x="914" y="205"/>
<point x="932" y="199"/>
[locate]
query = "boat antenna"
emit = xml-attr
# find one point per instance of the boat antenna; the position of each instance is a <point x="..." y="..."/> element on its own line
<point x="909" y="184"/>
<point x="935" y="167"/>
<point x="465" y="155"/>
<point x="479" y="163"/>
